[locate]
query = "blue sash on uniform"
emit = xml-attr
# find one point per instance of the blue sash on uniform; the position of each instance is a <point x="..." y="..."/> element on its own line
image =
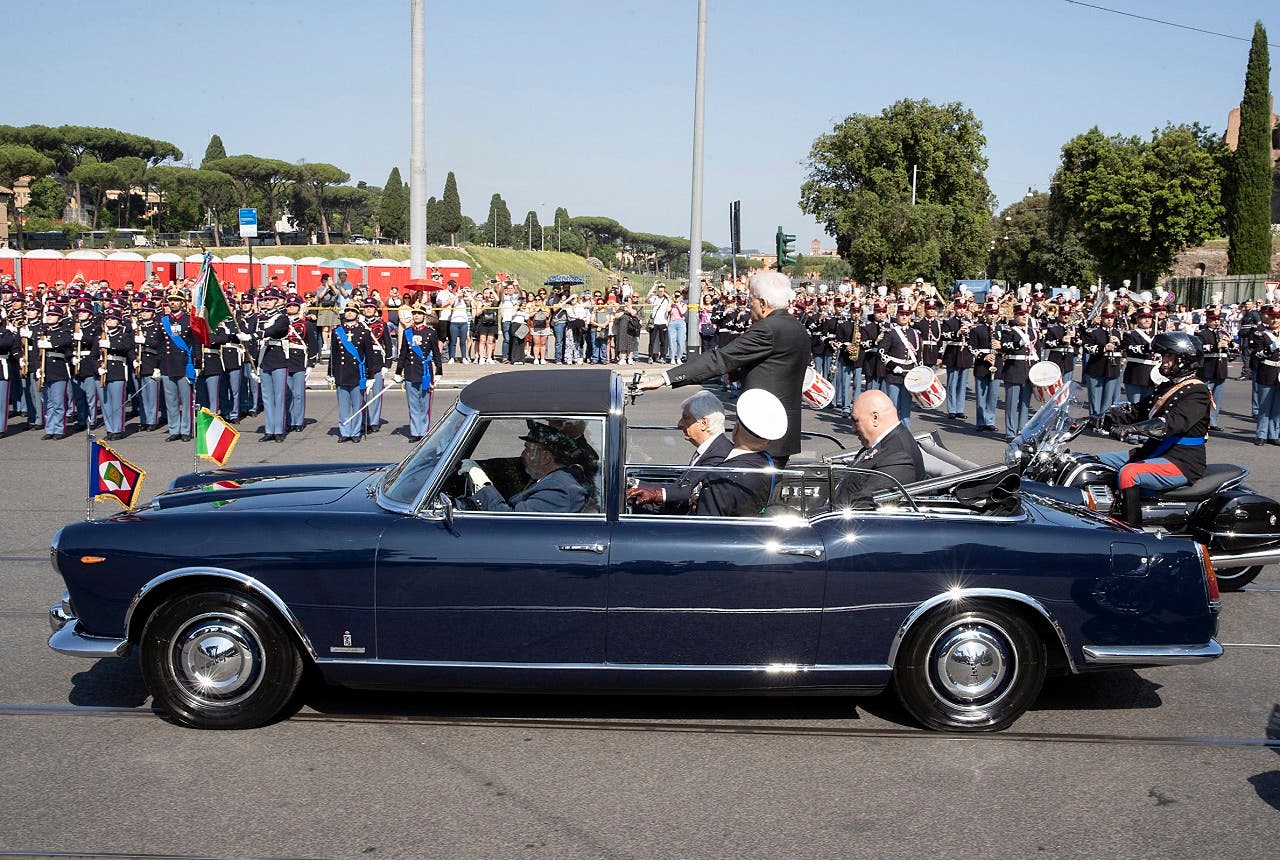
<point x="180" y="344"/>
<point x="1174" y="441"/>
<point x="417" y="350"/>
<point x="343" y="339"/>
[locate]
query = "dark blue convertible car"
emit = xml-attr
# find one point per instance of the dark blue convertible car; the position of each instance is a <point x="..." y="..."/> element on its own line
<point x="409" y="576"/>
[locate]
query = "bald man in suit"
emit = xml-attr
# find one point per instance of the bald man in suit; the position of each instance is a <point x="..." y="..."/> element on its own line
<point x="887" y="447"/>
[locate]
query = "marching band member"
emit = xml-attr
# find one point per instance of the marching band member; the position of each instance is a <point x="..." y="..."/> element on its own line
<point x="1136" y="345"/>
<point x="120" y="348"/>
<point x="298" y="336"/>
<point x="53" y="342"/>
<point x="848" y="354"/>
<point x="957" y="358"/>
<point x="1102" y="363"/>
<point x="930" y="328"/>
<point x="899" y="347"/>
<point x="1060" y="343"/>
<point x="1018" y="350"/>
<point x="985" y="345"/>
<point x="86" y="357"/>
<point x="1265" y="347"/>
<point x="869" y="335"/>
<point x="147" y="337"/>
<point x="1215" y="368"/>
<point x="273" y="364"/>
<point x="249" y="323"/>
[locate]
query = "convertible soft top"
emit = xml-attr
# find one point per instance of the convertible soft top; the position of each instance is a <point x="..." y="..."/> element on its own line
<point x="576" y="392"/>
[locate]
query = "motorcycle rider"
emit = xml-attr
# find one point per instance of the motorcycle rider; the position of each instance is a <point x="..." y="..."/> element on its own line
<point x="1174" y="418"/>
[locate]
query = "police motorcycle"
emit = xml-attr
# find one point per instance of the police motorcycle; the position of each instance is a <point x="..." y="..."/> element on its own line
<point x="1240" y="528"/>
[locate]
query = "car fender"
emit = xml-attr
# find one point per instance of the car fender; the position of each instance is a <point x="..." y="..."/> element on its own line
<point x="150" y="593"/>
<point x="959" y="595"/>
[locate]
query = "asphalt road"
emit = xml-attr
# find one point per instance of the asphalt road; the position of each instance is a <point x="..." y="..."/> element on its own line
<point x="1171" y="762"/>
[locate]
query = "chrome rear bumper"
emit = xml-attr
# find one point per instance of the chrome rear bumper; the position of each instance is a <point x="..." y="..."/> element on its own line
<point x="69" y="639"/>
<point x="1152" y="655"/>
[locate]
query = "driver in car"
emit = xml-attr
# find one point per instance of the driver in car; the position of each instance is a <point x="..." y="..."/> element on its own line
<point x="1174" y="419"/>
<point x="549" y="456"/>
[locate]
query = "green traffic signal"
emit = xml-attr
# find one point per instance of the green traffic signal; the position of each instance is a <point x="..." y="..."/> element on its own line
<point x="784" y="248"/>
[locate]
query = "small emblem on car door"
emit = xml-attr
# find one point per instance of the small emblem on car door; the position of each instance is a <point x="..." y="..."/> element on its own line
<point x="346" y="647"/>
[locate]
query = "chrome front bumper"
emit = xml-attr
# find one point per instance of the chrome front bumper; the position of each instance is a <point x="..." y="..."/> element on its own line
<point x="67" y="637"/>
<point x="1152" y="655"/>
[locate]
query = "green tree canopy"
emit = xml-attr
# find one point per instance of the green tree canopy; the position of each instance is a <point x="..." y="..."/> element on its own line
<point x="1138" y="203"/>
<point x="859" y="185"/>
<point x="267" y="176"/>
<point x="99" y="177"/>
<point x="1250" y="184"/>
<point x="497" y="228"/>
<point x="313" y="180"/>
<point x="1036" y="243"/>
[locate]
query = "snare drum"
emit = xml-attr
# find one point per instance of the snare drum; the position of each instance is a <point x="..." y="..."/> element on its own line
<point x="925" y="388"/>
<point x="818" y="391"/>
<point x="1046" y="378"/>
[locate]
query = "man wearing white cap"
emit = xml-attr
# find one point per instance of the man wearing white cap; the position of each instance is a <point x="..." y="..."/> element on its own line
<point x="761" y="419"/>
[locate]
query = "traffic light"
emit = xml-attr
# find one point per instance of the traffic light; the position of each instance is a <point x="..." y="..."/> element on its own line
<point x="785" y="248"/>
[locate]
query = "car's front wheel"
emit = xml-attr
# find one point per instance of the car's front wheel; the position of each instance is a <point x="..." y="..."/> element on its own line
<point x="219" y="660"/>
<point x="973" y="670"/>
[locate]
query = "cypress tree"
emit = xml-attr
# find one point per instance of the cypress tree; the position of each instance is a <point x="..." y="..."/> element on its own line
<point x="393" y="210"/>
<point x="1249" y="215"/>
<point x="214" y="150"/>
<point x="450" y="210"/>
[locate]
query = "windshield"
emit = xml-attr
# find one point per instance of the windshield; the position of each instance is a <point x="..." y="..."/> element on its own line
<point x="405" y="481"/>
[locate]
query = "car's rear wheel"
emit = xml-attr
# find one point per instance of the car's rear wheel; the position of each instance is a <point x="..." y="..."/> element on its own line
<point x="1236" y="578"/>
<point x="975" y="670"/>
<point x="219" y="660"/>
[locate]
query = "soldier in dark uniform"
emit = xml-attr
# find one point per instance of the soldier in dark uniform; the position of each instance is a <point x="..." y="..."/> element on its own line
<point x="179" y="353"/>
<point x="28" y="332"/>
<point x="10" y="346"/>
<point x="86" y="360"/>
<point x="273" y="364"/>
<point x="956" y="356"/>
<point x="233" y="360"/>
<point x="1019" y="349"/>
<point x="249" y="325"/>
<point x="147" y="335"/>
<point x="1060" y="343"/>
<point x="1251" y="322"/>
<point x="822" y="329"/>
<point x="53" y="344"/>
<point x="419" y="350"/>
<point x="1265" y="348"/>
<point x="300" y="344"/>
<point x="1136" y="344"/>
<point x="869" y="336"/>
<point x="379" y="359"/>
<point x="899" y="346"/>
<point x="1216" y="367"/>
<point x="1102" y="362"/>
<point x="984" y="345"/>
<point x="212" y="376"/>
<point x="120" y="348"/>
<point x="350" y="354"/>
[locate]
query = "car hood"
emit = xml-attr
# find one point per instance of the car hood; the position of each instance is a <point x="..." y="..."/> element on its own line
<point x="268" y="491"/>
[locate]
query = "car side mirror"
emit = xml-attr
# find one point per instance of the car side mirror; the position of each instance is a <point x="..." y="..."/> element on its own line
<point x="444" y="508"/>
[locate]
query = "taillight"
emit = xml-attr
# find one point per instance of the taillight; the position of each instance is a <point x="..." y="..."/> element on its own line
<point x="1210" y="577"/>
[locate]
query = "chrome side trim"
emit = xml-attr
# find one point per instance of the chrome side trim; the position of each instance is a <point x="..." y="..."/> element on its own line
<point x="1152" y="655"/>
<point x="1231" y="535"/>
<point x="222" y="573"/>
<point x="68" y="639"/>
<point x="770" y="668"/>
<point x="958" y="595"/>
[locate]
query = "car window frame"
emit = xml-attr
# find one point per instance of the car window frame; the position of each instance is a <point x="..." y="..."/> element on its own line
<point x="473" y="426"/>
<point x="434" y="478"/>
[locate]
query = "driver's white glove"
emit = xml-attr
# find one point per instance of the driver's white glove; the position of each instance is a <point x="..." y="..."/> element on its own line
<point x="472" y="470"/>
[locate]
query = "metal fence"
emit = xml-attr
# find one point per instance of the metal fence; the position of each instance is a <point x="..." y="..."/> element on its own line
<point x="1199" y="292"/>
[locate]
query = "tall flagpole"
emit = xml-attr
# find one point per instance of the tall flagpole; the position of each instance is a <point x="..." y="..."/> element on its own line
<point x="692" y="334"/>
<point x="418" y="151"/>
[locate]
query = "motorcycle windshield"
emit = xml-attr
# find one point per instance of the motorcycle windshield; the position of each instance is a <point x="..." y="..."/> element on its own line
<point x="1050" y="415"/>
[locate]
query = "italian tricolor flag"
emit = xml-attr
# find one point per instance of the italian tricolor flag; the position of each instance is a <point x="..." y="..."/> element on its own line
<point x="215" y="438"/>
<point x="209" y="303"/>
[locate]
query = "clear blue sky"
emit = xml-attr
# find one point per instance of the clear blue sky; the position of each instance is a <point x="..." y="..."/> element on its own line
<point x="589" y="105"/>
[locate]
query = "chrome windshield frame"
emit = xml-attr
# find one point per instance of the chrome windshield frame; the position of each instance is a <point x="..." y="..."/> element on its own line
<point x="469" y="416"/>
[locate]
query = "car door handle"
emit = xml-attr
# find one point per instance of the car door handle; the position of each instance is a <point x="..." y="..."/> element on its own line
<point x="583" y="547"/>
<point x="811" y="550"/>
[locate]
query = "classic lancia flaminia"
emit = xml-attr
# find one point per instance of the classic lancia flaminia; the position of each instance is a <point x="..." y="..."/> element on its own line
<point x="408" y="576"/>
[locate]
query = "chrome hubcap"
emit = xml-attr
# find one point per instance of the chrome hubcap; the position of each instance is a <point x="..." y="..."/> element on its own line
<point x="971" y="664"/>
<point x="217" y="659"/>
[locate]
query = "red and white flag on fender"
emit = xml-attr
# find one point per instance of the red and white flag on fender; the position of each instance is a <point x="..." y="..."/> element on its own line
<point x="215" y="438"/>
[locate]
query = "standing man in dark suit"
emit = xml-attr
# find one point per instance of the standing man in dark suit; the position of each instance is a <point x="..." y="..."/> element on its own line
<point x="770" y="355"/>
<point x="702" y="422"/>
<point x="887" y="447"/>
